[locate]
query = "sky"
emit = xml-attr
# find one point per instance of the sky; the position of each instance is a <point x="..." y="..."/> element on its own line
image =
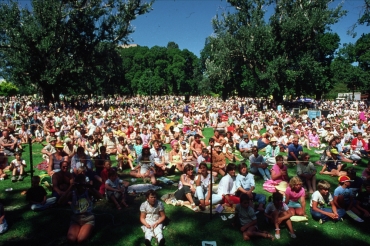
<point x="188" y="23"/>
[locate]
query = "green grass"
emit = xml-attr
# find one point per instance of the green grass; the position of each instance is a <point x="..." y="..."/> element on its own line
<point x="185" y="227"/>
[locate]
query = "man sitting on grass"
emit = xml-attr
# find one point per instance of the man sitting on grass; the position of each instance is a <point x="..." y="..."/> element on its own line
<point x="36" y="196"/>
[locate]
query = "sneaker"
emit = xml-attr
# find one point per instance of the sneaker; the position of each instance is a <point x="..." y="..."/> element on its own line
<point x="277" y="236"/>
<point x="341" y="220"/>
<point x="292" y="235"/>
<point x="1" y="178"/>
<point x="320" y="221"/>
<point x="20" y="178"/>
<point x="14" y="179"/>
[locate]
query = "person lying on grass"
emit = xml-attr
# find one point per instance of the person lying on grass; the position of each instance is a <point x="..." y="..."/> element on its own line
<point x="152" y="216"/>
<point x="320" y="204"/>
<point x="277" y="212"/>
<point x="82" y="220"/>
<point x="115" y="189"/>
<point x="247" y="220"/>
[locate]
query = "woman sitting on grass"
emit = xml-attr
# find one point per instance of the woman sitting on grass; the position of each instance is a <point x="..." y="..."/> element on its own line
<point x="203" y="190"/>
<point x="186" y="186"/>
<point x="295" y="197"/>
<point x="279" y="171"/>
<point x="145" y="167"/>
<point x="246" y="218"/>
<point x="277" y="212"/>
<point x="82" y="220"/>
<point x="175" y="156"/>
<point x="115" y="189"/>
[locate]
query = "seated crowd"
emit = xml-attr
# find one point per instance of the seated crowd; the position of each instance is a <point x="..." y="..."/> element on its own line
<point x="81" y="146"/>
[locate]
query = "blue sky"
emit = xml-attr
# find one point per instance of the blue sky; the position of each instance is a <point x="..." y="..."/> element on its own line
<point x="188" y="22"/>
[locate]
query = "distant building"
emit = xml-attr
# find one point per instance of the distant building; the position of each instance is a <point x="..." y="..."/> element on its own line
<point x="127" y="45"/>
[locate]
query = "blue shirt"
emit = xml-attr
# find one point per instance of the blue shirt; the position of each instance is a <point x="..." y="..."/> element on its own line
<point x="294" y="149"/>
<point x="345" y="192"/>
<point x="246" y="182"/>
<point x="243" y="144"/>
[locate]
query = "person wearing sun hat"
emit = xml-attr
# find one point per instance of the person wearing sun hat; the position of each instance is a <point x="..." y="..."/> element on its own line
<point x="343" y="196"/>
<point x="218" y="160"/>
<point x="272" y="150"/>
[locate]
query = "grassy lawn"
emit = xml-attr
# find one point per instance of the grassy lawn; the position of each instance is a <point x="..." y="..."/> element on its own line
<point x="185" y="227"/>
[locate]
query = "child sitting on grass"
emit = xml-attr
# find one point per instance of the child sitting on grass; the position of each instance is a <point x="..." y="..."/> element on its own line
<point x="277" y="212"/>
<point x="17" y="166"/>
<point x="115" y="189"/>
<point x="125" y="158"/>
<point x="343" y="197"/>
<point x="322" y="198"/>
<point x="152" y="216"/>
<point x="36" y="196"/>
<point x="248" y="220"/>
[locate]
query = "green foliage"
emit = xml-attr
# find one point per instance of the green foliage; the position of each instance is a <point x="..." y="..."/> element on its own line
<point x="160" y="70"/>
<point x="8" y="89"/>
<point x="280" y="56"/>
<point x="66" y="47"/>
<point x="354" y="76"/>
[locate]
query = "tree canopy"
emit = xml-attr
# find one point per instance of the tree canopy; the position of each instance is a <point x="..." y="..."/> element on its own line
<point x="160" y="70"/>
<point x="65" y="46"/>
<point x="258" y="55"/>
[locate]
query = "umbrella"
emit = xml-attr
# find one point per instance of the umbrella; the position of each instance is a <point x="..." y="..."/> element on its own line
<point x="305" y="100"/>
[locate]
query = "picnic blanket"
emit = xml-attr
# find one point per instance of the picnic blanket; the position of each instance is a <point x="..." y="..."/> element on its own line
<point x="142" y="188"/>
<point x="42" y="166"/>
<point x="170" y="199"/>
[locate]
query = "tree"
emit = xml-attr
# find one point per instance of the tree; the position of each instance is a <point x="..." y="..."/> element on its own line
<point x="161" y="70"/>
<point x="65" y="46"/>
<point x="255" y="57"/>
<point x="8" y="89"/>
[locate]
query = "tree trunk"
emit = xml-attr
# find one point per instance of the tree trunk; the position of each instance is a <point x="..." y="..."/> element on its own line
<point x="47" y="94"/>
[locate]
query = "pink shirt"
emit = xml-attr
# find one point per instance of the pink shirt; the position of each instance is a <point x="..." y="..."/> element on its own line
<point x="294" y="196"/>
<point x="277" y="170"/>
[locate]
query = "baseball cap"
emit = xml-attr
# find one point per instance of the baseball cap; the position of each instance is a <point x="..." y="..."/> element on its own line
<point x="344" y="179"/>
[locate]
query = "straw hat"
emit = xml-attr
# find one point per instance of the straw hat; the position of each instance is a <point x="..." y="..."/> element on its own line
<point x="59" y="145"/>
<point x="274" y="139"/>
<point x="282" y="186"/>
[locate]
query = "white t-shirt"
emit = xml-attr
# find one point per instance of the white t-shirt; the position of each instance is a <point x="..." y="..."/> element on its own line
<point x="321" y="201"/>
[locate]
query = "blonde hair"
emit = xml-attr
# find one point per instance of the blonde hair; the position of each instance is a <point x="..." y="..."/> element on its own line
<point x="294" y="181"/>
<point x="323" y="185"/>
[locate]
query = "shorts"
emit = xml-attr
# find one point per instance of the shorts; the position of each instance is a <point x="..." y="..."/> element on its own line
<point x="83" y="219"/>
<point x="292" y="204"/>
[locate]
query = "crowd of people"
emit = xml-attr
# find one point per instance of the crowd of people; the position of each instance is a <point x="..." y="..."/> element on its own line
<point x="153" y="137"/>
